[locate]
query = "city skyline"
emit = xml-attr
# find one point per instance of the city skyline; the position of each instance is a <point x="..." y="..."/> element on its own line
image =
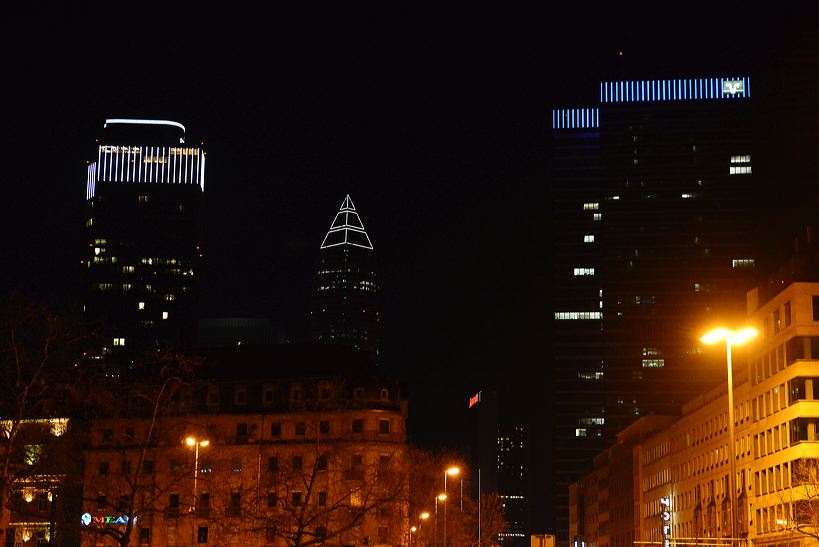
<point x="439" y="133"/>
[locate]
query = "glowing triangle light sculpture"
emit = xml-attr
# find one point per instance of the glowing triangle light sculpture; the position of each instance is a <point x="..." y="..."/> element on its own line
<point x="347" y="228"/>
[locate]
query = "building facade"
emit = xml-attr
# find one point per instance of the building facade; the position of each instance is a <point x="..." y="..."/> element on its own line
<point x="681" y="474"/>
<point x="346" y="305"/>
<point x="143" y="192"/>
<point x="652" y="195"/>
<point x="254" y="463"/>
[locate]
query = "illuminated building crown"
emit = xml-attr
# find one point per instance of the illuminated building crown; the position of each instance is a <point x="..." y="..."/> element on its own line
<point x="347" y="228"/>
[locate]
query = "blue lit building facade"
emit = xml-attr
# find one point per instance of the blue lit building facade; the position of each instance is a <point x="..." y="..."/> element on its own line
<point x="143" y="194"/>
<point x="653" y="200"/>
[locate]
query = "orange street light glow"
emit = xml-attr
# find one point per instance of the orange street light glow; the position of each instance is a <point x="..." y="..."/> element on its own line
<point x="452" y="471"/>
<point x="442" y="497"/>
<point x="424" y="515"/>
<point x="734" y="337"/>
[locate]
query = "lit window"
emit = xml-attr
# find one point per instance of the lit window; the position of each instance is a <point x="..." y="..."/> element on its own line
<point x="648" y="352"/>
<point x="588" y="239"/>
<point x="741" y="159"/>
<point x="584" y="271"/>
<point x="590" y="375"/>
<point x="653" y="363"/>
<point x="127" y="286"/>
<point x="119" y="341"/>
<point x="164" y="315"/>
<point x="597" y="216"/>
<point x="580" y="432"/>
<point x="127" y="269"/>
<point x="591" y="421"/>
<point x="743" y="263"/>
<point x="591" y="206"/>
<point x="741" y="170"/>
<point x="141" y="305"/>
<point x="688" y="196"/>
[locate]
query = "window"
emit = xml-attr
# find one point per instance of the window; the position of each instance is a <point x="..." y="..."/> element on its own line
<point x="358" y="393"/>
<point x="295" y="499"/>
<point x="787" y="314"/>
<point x="103" y="468"/>
<point x="322" y="498"/>
<point x="383" y="426"/>
<point x="816" y="308"/>
<point x="164" y="315"/>
<point x="324" y="427"/>
<point x="580" y="432"/>
<point x="119" y="341"/>
<point x="740" y="170"/>
<point x="144" y="536"/>
<point x="301" y="429"/>
<point x="271" y="499"/>
<point x="240" y="395"/>
<point x="321" y="462"/>
<point x="148" y="467"/>
<point x="584" y="271"/>
<point x="358" y="425"/>
<point x="743" y="263"/>
<point x="297" y="463"/>
<point x="598" y="216"/>
<point x="102" y="502"/>
<point x="276" y="429"/>
<point x="777" y="322"/>
<point x="385" y="394"/>
<point x="653" y="363"/>
<point x="267" y="397"/>
<point x="202" y="534"/>
<point x="173" y="501"/>
<point x="591" y="206"/>
<point x="588" y="238"/>
<point x="273" y="464"/>
<point x="241" y="430"/>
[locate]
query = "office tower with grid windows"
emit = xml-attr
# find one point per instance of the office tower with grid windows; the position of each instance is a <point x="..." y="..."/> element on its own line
<point x="143" y="191"/>
<point x="653" y="195"/>
<point x="346" y="306"/>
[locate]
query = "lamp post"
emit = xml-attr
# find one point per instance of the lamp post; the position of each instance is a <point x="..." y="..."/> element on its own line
<point x="442" y="498"/>
<point x="454" y="470"/>
<point x="412" y="529"/>
<point x="423" y="516"/>
<point x="732" y="338"/>
<point x="195" y="443"/>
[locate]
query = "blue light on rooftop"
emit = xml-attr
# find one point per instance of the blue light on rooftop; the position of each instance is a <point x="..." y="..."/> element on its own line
<point x="736" y="87"/>
<point x="575" y="118"/>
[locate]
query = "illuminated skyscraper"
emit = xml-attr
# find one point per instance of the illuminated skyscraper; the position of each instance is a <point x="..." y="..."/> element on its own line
<point x="345" y="308"/>
<point x="143" y="191"/>
<point x="653" y="197"/>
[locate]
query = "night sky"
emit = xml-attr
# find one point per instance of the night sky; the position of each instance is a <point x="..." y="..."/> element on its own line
<point x="434" y="119"/>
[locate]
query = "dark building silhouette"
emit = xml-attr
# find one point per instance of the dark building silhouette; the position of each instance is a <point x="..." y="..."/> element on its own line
<point x="345" y="308"/>
<point x="144" y="190"/>
<point x="653" y="240"/>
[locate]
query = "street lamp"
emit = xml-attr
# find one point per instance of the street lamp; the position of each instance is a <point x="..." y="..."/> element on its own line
<point x="412" y="529"/>
<point x="732" y="338"/>
<point x="196" y="443"/>
<point x="453" y="471"/>
<point x="441" y="498"/>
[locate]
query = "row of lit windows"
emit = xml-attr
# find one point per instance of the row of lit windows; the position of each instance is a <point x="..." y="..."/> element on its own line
<point x="584" y="271"/>
<point x="590" y="375"/>
<point x="591" y="206"/>
<point x="741" y="159"/>
<point x="563" y="315"/>
<point x="740" y="170"/>
<point x="743" y="263"/>
<point x="653" y="363"/>
<point x="589" y="238"/>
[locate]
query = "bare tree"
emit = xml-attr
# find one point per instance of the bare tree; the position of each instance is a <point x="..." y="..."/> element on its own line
<point x="799" y="510"/>
<point x="39" y="351"/>
<point x="140" y="424"/>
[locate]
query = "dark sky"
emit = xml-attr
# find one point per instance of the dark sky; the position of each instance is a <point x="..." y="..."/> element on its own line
<point x="433" y="118"/>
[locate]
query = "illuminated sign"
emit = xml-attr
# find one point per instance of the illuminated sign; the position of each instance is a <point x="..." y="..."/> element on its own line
<point x="87" y="519"/>
<point x="665" y="520"/>
<point x="475" y="399"/>
<point x="733" y="87"/>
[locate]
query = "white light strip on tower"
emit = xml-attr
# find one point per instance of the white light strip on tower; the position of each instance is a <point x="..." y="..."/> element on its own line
<point x="202" y="184"/>
<point x="143" y="122"/>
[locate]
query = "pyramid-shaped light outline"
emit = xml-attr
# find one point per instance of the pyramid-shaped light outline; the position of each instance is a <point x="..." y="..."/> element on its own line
<point x="341" y="223"/>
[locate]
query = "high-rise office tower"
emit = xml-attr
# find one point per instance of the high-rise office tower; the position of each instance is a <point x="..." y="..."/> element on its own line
<point x="144" y="190"/>
<point x="653" y="199"/>
<point x="345" y="308"/>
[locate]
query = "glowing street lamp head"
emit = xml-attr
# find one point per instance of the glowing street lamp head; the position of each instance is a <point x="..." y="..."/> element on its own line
<point x="734" y="337"/>
<point x="442" y="497"/>
<point x="424" y="515"/>
<point x="413" y="529"/>
<point x="452" y="471"/>
<point x="204" y="443"/>
<point x="190" y="441"/>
